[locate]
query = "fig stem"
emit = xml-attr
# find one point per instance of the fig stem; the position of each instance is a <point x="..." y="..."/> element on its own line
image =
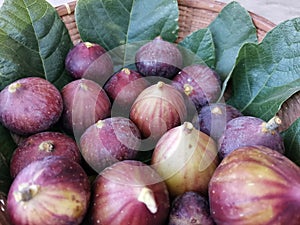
<point x="13" y="87"/>
<point x="272" y="124"/>
<point x="217" y="110"/>
<point x="187" y="89"/>
<point x="88" y="44"/>
<point x="160" y="84"/>
<point x="188" y="127"/>
<point x="126" y="71"/>
<point x="100" y="124"/>
<point x="146" y="196"/>
<point x="26" y="192"/>
<point x="47" y="146"/>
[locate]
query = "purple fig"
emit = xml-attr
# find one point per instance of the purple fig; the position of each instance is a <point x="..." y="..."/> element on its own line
<point x="190" y="208"/>
<point x="249" y="130"/>
<point x="124" y="87"/>
<point x="30" y="105"/>
<point x="54" y="190"/>
<point x="212" y="118"/>
<point x="158" y="58"/>
<point x="41" y="145"/>
<point x="108" y="141"/>
<point x="90" y="61"/>
<point x="85" y="102"/>
<point x="199" y="83"/>
<point x="129" y="192"/>
<point x="255" y="185"/>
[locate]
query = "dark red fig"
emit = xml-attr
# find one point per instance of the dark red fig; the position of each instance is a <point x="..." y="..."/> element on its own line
<point x="108" y="141"/>
<point x="157" y="109"/>
<point x="190" y="208"/>
<point x="255" y="185"/>
<point x="53" y="191"/>
<point x="199" y="83"/>
<point x="30" y="105"/>
<point x="158" y="58"/>
<point x="249" y="130"/>
<point x="90" y="61"/>
<point x="41" y="145"/>
<point x="212" y="118"/>
<point x="124" y="87"/>
<point x="129" y="192"/>
<point x="85" y="102"/>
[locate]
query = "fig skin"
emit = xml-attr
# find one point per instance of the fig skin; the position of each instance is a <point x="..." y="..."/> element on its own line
<point x="249" y="130"/>
<point x="53" y="190"/>
<point x="30" y="105"/>
<point x="108" y="141"/>
<point x="185" y="158"/>
<point x="157" y="109"/>
<point x="190" y="208"/>
<point x="41" y="145"/>
<point x="90" y="61"/>
<point x="158" y="58"/>
<point x="212" y="118"/>
<point x="255" y="185"/>
<point x="199" y="83"/>
<point x="129" y="192"/>
<point x="85" y="102"/>
<point x="124" y="87"/>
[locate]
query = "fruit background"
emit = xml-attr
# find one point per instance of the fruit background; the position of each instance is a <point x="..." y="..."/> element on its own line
<point x="274" y="10"/>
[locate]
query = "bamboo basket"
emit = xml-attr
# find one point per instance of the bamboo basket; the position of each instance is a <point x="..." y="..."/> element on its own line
<point x="194" y="14"/>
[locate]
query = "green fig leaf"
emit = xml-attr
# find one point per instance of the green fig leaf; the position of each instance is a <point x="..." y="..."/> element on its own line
<point x="199" y="43"/>
<point x="7" y="147"/>
<point x="115" y="23"/>
<point x="291" y="138"/>
<point x="267" y="74"/>
<point x="230" y="30"/>
<point x="34" y="42"/>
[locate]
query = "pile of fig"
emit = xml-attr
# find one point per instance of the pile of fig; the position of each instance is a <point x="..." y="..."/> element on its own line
<point x="149" y="144"/>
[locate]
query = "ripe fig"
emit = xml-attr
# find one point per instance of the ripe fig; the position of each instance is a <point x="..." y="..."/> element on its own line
<point x="255" y="185"/>
<point x="85" y="102"/>
<point x="185" y="158"/>
<point x="249" y="130"/>
<point x="129" y="192"/>
<point x="54" y="190"/>
<point x="41" y="145"/>
<point x="199" y="83"/>
<point x="190" y="208"/>
<point x="108" y="141"/>
<point x="30" y="105"/>
<point x="90" y="61"/>
<point x="212" y="118"/>
<point x="123" y="88"/>
<point x="158" y="58"/>
<point x="157" y="109"/>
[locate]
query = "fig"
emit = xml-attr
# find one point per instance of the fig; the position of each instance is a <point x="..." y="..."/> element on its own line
<point x="41" y="145"/>
<point x="212" y="118"/>
<point x="90" y="61"/>
<point x="185" y="158"/>
<point x="54" y="190"/>
<point x="190" y="208"/>
<point x="255" y="185"/>
<point x="124" y="87"/>
<point x="158" y="58"/>
<point x="30" y="105"/>
<point x="157" y="109"/>
<point x="250" y="130"/>
<point x="85" y="102"/>
<point x="200" y="83"/>
<point x="129" y="192"/>
<point x="108" y="141"/>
